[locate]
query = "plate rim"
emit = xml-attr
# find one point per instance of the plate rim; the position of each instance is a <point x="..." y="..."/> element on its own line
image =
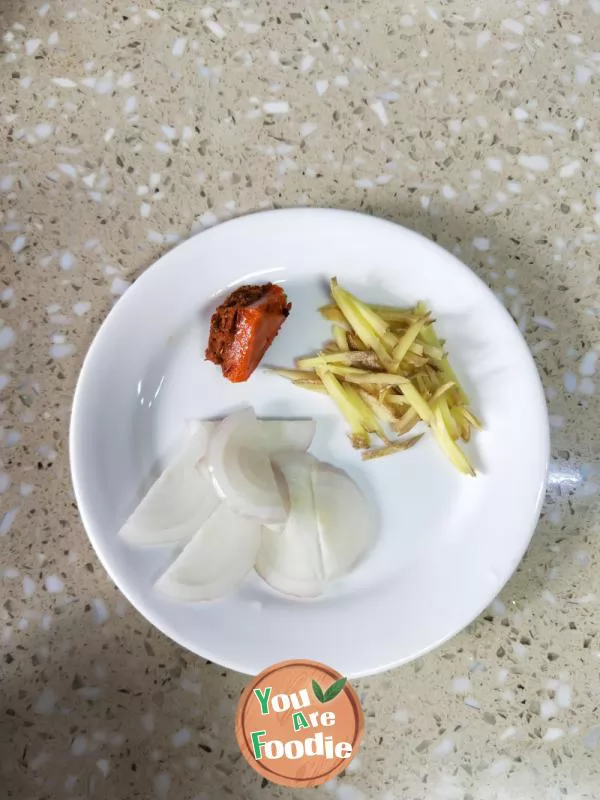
<point x="120" y="308"/>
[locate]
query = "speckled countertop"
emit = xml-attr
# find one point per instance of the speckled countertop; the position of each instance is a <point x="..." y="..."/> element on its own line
<point x="126" y="127"/>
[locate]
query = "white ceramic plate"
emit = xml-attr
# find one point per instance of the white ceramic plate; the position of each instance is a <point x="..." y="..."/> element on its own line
<point x="447" y="543"/>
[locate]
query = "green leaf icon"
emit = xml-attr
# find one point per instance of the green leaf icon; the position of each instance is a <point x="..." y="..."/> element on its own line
<point x="334" y="690"/>
<point x="318" y="692"/>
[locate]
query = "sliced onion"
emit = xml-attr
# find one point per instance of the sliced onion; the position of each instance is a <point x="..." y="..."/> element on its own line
<point x="215" y="561"/>
<point x="290" y="560"/>
<point x="177" y="503"/>
<point x="345" y="521"/>
<point x="288" y="435"/>
<point x="241" y="470"/>
<point x="276" y="527"/>
<point x="207" y="425"/>
<point x="278" y="435"/>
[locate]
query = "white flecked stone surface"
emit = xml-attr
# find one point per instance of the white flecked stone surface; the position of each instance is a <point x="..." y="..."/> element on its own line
<point x="125" y="128"/>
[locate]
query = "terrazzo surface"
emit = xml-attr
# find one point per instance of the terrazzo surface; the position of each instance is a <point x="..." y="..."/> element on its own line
<point x="124" y="129"/>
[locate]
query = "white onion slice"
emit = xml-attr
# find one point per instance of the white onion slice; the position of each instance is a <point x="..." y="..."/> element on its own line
<point x="345" y="521"/>
<point x="241" y="470"/>
<point x="276" y="527"/>
<point x="278" y="435"/>
<point x="290" y="560"/>
<point x="177" y="503"/>
<point x="215" y="561"/>
<point x="207" y="425"/>
<point x="288" y="435"/>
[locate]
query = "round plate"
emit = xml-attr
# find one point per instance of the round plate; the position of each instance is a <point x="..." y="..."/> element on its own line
<point x="447" y="543"/>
